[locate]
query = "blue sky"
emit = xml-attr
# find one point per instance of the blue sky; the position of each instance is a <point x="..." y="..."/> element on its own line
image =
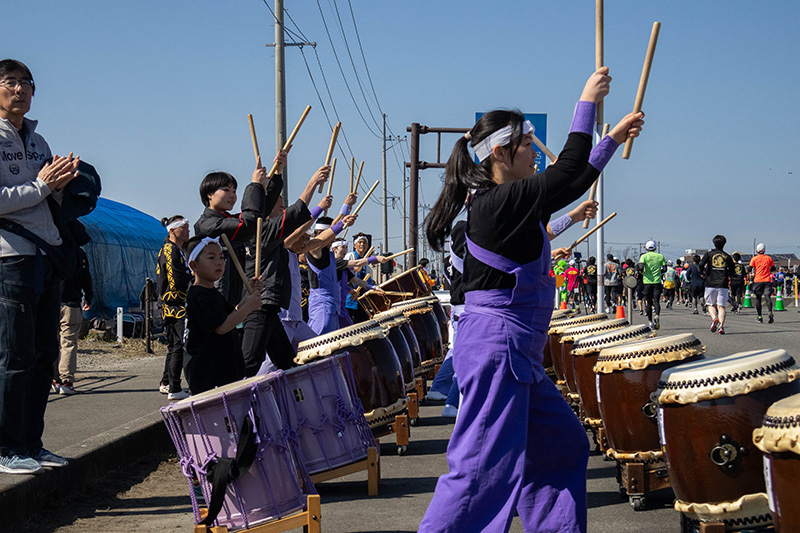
<point x="155" y="94"/>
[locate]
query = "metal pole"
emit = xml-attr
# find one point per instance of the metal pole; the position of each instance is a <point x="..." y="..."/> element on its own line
<point x="280" y="91"/>
<point x="412" y="194"/>
<point x="385" y="199"/>
<point x="405" y="221"/>
<point x="147" y="314"/>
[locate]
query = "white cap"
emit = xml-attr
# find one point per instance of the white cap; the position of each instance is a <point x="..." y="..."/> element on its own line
<point x="669" y="262"/>
<point x="761" y="248"/>
<point x="572" y="262"/>
<point x="650" y="245"/>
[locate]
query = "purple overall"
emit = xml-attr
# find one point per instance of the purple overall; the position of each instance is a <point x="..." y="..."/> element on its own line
<point x="323" y="302"/>
<point x="516" y="443"/>
<point x="344" y="290"/>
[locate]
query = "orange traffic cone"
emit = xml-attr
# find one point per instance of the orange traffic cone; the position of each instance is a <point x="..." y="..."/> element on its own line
<point x="563" y="304"/>
<point x="620" y="312"/>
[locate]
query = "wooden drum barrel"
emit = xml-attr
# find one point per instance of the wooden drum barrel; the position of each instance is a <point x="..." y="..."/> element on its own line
<point x="570" y="335"/>
<point x="708" y="412"/>
<point x="377" y="371"/>
<point x="554" y="338"/>
<point x="779" y="439"/>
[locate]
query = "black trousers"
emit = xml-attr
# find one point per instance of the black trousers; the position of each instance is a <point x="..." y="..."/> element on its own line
<point x="263" y="333"/>
<point x="173" y="328"/>
<point x="652" y="298"/>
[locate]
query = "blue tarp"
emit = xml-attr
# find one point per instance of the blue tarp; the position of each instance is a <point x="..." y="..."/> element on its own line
<point x="122" y="253"/>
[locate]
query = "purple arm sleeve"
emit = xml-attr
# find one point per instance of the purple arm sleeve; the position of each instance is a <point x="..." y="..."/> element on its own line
<point x="345" y="209"/>
<point x="583" y="120"/>
<point x="336" y="228"/>
<point x="560" y="225"/>
<point x="601" y="154"/>
<point x="316" y="211"/>
<point x="372" y="260"/>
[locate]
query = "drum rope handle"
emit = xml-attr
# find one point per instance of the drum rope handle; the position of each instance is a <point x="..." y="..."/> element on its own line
<point x="186" y="459"/>
<point x="203" y="435"/>
<point x="727" y="452"/>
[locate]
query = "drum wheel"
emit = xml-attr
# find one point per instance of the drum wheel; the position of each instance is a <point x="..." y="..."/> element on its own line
<point x="401" y="450"/>
<point x="413" y="421"/>
<point x="637" y="502"/>
<point x="623" y="493"/>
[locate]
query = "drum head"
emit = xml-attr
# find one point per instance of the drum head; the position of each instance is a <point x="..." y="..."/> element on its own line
<point x="593" y="328"/>
<point x="557" y="326"/>
<point x="325" y="345"/>
<point x="215" y="395"/>
<point x="727" y="376"/>
<point x="641" y="354"/>
<point x="606" y="339"/>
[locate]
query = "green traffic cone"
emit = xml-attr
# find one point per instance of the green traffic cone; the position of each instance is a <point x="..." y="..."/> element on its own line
<point x="747" y="298"/>
<point x="779" y="301"/>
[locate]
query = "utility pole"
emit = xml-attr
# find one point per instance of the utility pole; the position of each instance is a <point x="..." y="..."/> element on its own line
<point x="405" y="221"/>
<point x="385" y="199"/>
<point x="280" y="90"/>
<point x="280" y="87"/>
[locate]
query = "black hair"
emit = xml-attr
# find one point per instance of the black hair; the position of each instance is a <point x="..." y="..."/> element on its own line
<point x="696" y="258"/>
<point x="592" y="260"/>
<point x="424" y="261"/>
<point x="325" y="220"/>
<point x="719" y="241"/>
<point x="610" y="257"/>
<point x="169" y="220"/>
<point x="12" y="65"/>
<point x="463" y="174"/>
<point x="214" y="181"/>
<point x="737" y="256"/>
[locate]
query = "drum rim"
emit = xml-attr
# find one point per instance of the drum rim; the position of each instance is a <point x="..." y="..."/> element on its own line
<point x="615" y="337"/>
<point x="780" y="428"/>
<point x="228" y="389"/>
<point x="586" y="330"/>
<point x="557" y="326"/>
<point x="654" y="355"/>
<point x="737" y="513"/>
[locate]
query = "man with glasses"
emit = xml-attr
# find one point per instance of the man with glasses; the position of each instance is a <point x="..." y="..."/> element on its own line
<point x="30" y="290"/>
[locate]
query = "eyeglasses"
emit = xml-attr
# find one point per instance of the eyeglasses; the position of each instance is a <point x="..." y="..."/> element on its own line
<point x="13" y="83"/>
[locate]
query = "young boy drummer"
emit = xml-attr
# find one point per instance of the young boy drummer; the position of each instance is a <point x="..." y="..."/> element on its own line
<point x="213" y="352"/>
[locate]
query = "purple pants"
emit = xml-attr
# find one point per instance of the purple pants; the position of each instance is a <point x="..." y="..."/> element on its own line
<point x="515" y="446"/>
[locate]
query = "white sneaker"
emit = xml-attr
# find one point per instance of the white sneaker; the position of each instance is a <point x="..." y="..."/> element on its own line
<point x="435" y="395"/>
<point x="163" y="389"/>
<point x="449" y="411"/>
<point x="55" y="387"/>
<point x="181" y="395"/>
<point x="19" y="464"/>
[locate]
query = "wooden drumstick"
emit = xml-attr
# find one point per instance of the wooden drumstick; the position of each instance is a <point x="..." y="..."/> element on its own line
<point x="593" y="190"/>
<point x="393" y="278"/>
<point x="371" y="248"/>
<point x="290" y="140"/>
<point x="597" y="227"/>
<point x="369" y="193"/>
<point x="648" y="62"/>
<point x="391" y="293"/>
<point x="330" y="179"/>
<point x="253" y="136"/>
<point x="550" y="155"/>
<point x="358" y="179"/>
<point x="398" y="254"/>
<point x="259" y="226"/>
<point x="599" y="61"/>
<point x="237" y="264"/>
<point x="328" y="157"/>
<point x="352" y="172"/>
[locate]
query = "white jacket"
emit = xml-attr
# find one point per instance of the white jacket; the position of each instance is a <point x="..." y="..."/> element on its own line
<point x="23" y="196"/>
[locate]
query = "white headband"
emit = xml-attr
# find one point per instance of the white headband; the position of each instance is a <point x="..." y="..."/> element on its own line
<point x="199" y="248"/>
<point x="338" y="243"/>
<point x="319" y="226"/>
<point x="175" y="224"/>
<point x="501" y="137"/>
<point x="362" y="238"/>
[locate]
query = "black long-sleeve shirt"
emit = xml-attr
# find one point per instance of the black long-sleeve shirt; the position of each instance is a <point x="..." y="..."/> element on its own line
<point x="458" y="243"/>
<point x="79" y="286"/>
<point x="256" y="203"/>
<point x="505" y="219"/>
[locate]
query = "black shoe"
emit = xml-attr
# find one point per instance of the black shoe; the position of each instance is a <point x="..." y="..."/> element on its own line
<point x="695" y="312"/>
<point x="760" y="320"/>
<point x="771" y="319"/>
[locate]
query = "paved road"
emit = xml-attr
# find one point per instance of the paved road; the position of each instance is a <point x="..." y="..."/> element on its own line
<point x="159" y="501"/>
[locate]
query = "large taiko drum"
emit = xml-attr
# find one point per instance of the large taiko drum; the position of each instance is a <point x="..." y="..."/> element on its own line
<point x="426" y="330"/>
<point x="392" y="321"/>
<point x="584" y="354"/>
<point x="409" y="282"/>
<point x="708" y="411"/>
<point x="558" y="314"/>
<point x="554" y="337"/>
<point x="317" y="404"/>
<point x="437" y="312"/>
<point x="627" y="377"/>
<point x="377" y="372"/>
<point x="779" y="439"/>
<point x="212" y="426"/>
<point x="570" y="335"/>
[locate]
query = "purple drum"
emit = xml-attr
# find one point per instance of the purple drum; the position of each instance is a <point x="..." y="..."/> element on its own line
<point x="318" y="406"/>
<point x="213" y="426"/>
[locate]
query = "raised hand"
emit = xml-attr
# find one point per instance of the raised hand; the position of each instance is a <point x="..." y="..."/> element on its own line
<point x="597" y="86"/>
<point x="629" y="127"/>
